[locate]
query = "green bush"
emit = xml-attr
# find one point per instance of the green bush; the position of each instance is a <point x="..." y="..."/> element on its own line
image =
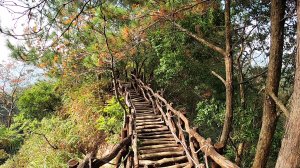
<point x="210" y="117"/>
<point x="36" y="152"/>
<point x="110" y="120"/>
<point x="39" y="101"/>
<point x="12" y="138"/>
<point x="10" y="142"/>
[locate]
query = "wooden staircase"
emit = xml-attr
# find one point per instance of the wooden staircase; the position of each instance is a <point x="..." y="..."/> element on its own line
<point x="156" y="145"/>
<point x="155" y="135"/>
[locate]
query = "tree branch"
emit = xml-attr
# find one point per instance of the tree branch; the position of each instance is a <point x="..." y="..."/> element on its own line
<point x="279" y="103"/>
<point x="199" y="39"/>
<point x="94" y="162"/>
<point x="52" y="146"/>
<point x="253" y="77"/>
<point x="220" y="77"/>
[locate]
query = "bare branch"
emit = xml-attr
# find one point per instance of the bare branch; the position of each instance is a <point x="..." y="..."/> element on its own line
<point x="279" y="104"/>
<point x="43" y="135"/>
<point x="220" y="77"/>
<point x="199" y="39"/>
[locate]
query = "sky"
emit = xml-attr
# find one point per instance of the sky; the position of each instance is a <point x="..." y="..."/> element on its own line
<point x="6" y="22"/>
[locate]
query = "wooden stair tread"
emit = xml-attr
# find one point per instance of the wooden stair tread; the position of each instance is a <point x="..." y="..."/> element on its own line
<point x="160" y="150"/>
<point x="149" y="126"/>
<point x="149" y="123"/>
<point x="164" y="128"/>
<point x="155" y="136"/>
<point x="185" y="165"/>
<point x="148" y="120"/>
<point x="154" y="142"/>
<point x="162" y="161"/>
<point x="167" y="132"/>
<point x="161" y="154"/>
<point x="158" y="146"/>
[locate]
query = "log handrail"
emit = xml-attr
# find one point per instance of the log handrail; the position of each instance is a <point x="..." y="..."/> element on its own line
<point x="204" y="144"/>
<point x="174" y="119"/>
<point x="131" y="128"/>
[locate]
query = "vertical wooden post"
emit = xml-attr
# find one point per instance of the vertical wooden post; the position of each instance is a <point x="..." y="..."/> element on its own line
<point x="182" y="139"/>
<point x="193" y="151"/>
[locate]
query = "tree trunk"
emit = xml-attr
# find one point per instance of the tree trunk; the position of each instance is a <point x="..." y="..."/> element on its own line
<point x="228" y="68"/>
<point x="229" y="88"/>
<point x="241" y="83"/>
<point x="289" y="155"/>
<point x="9" y="119"/>
<point x="269" y="117"/>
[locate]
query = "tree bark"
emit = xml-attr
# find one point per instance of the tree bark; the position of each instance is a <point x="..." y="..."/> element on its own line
<point x="114" y="80"/>
<point x="269" y="117"/>
<point x="241" y="82"/>
<point x="229" y="71"/>
<point x="227" y="53"/>
<point x="289" y="155"/>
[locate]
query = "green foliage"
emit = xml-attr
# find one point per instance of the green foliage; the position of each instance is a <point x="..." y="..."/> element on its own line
<point x="110" y="120"/>
<point x="210" y="118"/>
<point x="10" y="142"/>
<point x="39" y="101"/>
<point x="12" y="138"/>
<point x="174" y="61"/>
<point x="37" y="152"/>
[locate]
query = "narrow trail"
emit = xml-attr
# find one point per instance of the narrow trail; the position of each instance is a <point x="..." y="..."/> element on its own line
<point x="156" y="144"/>
<point x="156" y="135"/>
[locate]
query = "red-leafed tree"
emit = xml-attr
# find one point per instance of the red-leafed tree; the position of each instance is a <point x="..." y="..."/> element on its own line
<point x="12" y="79"/>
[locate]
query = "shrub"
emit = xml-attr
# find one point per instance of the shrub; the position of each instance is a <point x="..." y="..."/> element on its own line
<point x="110" y="120"/>
<point x="39" y="101"/>
<point x="210" y="116"/>
<point x="37" y="152"/>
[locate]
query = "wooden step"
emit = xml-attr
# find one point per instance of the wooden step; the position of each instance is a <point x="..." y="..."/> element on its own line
<point x="144" y="113"/>
<point x="158" y="146"/>
<point x="146" y="109"/>
<point x="148" y="120"/>
<point x="154" y="133"/>
<point x="160" y="139"/>
<point x="163" y="161"/>
<point x="149" y="126"/>
<point x="160" y="150"/>
<point x="143" y="136"/>
<point x="142" y="104"/>
<point x="139" y="116"/>
<point x="150" y="123"/>
<point x="165" y="128"/>
<point x="160" y="155"/>
<point x="181" y="165"/>
<point x="137" y="99"/>
<point x="148" y="117"/>
<point x="155" y="142"/>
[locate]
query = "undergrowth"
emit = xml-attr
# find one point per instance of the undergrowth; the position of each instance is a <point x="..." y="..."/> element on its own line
<point x="79" y="126"/>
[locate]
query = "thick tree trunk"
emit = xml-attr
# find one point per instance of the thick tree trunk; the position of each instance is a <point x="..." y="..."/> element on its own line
<point x="289" y="155"/>
<point x="229" y="88"/>
<point x="269" y="117"/>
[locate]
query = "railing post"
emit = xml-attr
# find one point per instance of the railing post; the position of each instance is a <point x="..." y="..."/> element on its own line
<point x="182" y="122"/>
<point x="134" y="145"/>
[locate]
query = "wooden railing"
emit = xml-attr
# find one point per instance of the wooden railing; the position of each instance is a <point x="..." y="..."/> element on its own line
<point x="129" y="128"/>
<point x="126" y="152"/>
<point x="179" y="125"/>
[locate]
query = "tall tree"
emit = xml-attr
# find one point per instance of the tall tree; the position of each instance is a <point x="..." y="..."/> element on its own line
<point x="270" y="117"/>
<point x="289" y="155"/>
<point x="227" y="55"/>
<point x="12" y="80"/>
